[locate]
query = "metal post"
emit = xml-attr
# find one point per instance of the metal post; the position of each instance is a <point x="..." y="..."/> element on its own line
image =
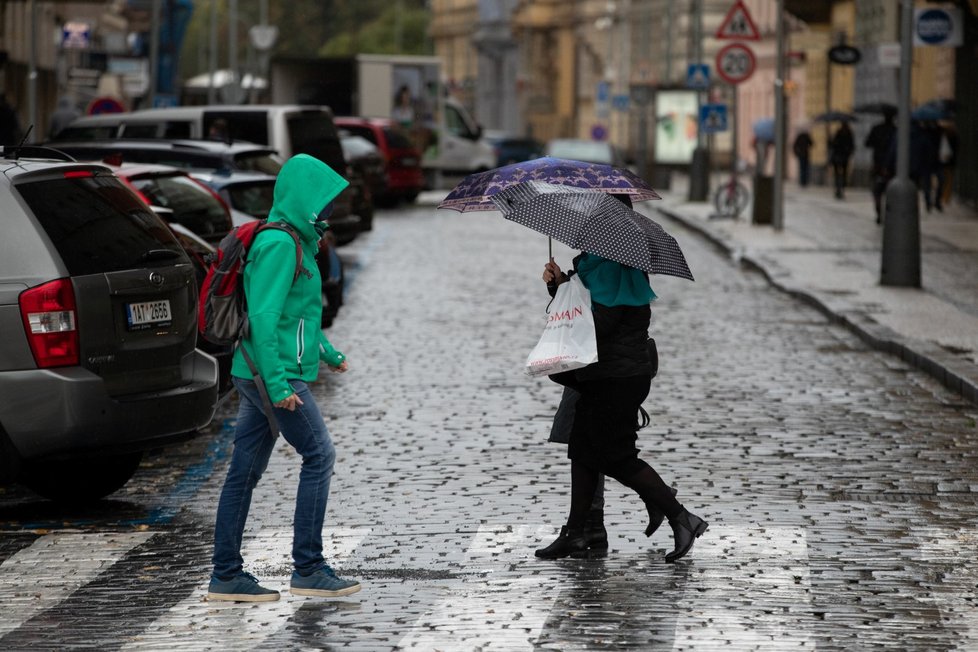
<point x="233" y="48"/>
<point x="777" y="212"/>
<point x="211" y="88"/>
<point x="901" y="222"/>
<point x="32" y="77"/>
<point x="154" y="50"/>
<point x="667" y="76"/>
<point x="699" y="169"/>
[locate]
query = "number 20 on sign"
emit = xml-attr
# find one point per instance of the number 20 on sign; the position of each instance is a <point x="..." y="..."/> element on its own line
<point x="735" y="63"/>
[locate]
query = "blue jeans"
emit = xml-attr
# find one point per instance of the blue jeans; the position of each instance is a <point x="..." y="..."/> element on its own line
<point x="306" y="432"/>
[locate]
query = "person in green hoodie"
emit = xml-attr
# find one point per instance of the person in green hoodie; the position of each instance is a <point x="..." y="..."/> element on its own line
<point x="287" y="345"/>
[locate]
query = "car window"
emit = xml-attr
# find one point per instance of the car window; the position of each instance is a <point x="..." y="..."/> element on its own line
<point x="137" y="132"/>
<point x="363" y="132"/>
<point x="258" y="162"/>
<point x="98" y="225"/>
<point x="174" y="129"/>
<point x="456" y="123"/>
<point x="355" y="146"/>
<point x="193" y="206"/>
<point x="86" y="133"/>
<point x="253" y="198"/>
<point x="313" y="133"/>
<point x="397" y="140"/>
<point x="250" y="126"/>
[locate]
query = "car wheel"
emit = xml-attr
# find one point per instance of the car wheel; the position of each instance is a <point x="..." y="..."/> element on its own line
<point x="411" y="197"/>
<point x="81" y="480"/>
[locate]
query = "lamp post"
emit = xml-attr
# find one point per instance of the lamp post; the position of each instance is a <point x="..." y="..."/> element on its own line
<point x="699" y="169"/>
<point x="901" y="224"/>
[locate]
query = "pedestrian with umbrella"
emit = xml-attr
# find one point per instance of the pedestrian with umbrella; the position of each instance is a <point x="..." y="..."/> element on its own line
<point x="880" y="139"/>
<point x="619" y="248"/>
<point x="841" y="148"/>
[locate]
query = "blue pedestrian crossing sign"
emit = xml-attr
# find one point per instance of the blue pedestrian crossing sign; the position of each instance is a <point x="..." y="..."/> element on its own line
<point x="713" y="118"/>
<point x="698" y="76"/>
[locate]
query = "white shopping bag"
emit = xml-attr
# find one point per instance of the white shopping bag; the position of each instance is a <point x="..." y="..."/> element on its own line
<point x="568" y="341"/>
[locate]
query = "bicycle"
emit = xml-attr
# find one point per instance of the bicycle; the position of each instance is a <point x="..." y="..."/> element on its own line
<point x="731" y="198"/>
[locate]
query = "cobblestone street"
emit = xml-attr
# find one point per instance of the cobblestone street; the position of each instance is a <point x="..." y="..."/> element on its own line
<point x="839" y="484"/>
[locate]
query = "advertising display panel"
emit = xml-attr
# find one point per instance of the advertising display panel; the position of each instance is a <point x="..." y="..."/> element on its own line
<point x="676" y="120"/>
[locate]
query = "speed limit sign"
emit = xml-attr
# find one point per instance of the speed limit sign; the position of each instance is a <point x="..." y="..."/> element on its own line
<point x="735" y="63"/>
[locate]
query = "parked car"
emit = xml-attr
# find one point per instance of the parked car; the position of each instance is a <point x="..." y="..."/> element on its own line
<point x="287" y="128"/>
<point x="366" y="172"/>
<point x="592" y="151"/>
<point x="250" y="196"/>
<point x="98" y="319"/>
<point x="202" y="156"/>
<point x="404" y="175"/>
<point x="185" y="154"/>
<point x="188" y="202"/>
<point x="511" y="148"/>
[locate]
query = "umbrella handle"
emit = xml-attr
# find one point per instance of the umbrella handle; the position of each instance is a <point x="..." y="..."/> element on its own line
<point x="550" y="248"/>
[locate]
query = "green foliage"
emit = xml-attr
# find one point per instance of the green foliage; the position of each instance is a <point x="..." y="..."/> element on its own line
<point x="313" y="27"/>
<point x="393" y="31"/>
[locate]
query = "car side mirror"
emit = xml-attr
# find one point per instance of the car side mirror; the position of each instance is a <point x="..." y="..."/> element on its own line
<point x="477" y="134"/>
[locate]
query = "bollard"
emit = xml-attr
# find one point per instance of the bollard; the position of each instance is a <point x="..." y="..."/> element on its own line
<point x="901" y="235"/>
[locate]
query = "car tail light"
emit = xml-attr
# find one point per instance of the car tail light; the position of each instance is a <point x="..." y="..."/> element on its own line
<point x="49" y="318"/>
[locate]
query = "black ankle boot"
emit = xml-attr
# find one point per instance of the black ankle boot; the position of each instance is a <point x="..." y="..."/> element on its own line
<point x="595" y="534"/>
<point x="685" y="528"/>
<point x="570" y="543"/>
<point x="655" y="516"/>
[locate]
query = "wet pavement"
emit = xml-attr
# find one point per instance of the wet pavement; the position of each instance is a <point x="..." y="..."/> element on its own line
<point x="839" y="483"/>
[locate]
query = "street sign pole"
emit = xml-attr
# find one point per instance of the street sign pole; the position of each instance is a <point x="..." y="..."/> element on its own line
<point x="699" y="169"/>
<point x="901" y="222"/>
<point x="777" y="212"/>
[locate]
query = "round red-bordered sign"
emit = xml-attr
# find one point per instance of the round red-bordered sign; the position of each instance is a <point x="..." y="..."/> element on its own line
<point x="735" y="63"/>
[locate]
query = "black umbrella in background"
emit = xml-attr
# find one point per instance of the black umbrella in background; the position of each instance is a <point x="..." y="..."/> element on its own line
<point x="835" y="116"/>
<point x="880" y="108"/>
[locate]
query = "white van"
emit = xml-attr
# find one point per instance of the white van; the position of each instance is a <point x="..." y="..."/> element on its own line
<point x="289" y="129"/>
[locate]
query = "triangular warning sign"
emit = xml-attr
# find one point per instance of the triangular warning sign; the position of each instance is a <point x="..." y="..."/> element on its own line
<point x="738" y="25"/>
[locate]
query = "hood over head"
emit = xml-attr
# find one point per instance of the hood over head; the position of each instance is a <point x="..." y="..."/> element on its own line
<point x="305" y="185"/>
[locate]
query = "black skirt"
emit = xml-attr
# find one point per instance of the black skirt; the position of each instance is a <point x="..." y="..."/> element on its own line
<point x="606" y="421"/>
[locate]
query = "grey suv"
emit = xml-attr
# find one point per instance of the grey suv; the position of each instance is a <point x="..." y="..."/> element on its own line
<point x="97" y="331"/>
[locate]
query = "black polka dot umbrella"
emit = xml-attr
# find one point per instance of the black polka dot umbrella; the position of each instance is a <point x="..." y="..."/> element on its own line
<point x="594" y="222"/>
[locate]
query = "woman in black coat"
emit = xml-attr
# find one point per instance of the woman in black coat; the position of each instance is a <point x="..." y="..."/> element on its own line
<point x="603" y="436"/>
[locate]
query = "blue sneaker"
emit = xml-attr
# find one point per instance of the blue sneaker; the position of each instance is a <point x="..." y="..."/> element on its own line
<point x="322" y="584"/>
<point x="243" y="588"/>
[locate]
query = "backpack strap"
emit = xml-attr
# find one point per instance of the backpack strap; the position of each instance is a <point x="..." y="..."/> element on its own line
<point x="288" y="228"/>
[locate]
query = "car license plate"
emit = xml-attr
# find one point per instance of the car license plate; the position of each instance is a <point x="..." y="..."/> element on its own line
<point x="148" y="313"/>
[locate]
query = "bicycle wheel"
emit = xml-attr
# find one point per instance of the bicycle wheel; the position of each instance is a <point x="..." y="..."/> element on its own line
<point x="731" y="199"/>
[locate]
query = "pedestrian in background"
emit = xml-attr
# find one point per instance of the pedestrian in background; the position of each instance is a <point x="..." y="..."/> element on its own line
<point x="949" y="159"/>
<point x="611" y="391"/>
<point x="802" y="147"/>
<point x="880" y="139"/>
<point x="287" y="345"/>
<point x="65" y="113"/>
<point x="841" y="148"/>
<point x="10" y="132"/>
<point x="925" y="166"/>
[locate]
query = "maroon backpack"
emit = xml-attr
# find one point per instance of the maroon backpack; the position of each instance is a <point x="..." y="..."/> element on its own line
<point x="222" y="313"/>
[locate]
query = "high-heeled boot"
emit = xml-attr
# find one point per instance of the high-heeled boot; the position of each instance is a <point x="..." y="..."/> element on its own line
<point x="685" y="529"/>
<point x="596" y="535"/>
<point x="570" y="543"/>
<point x="655" y="516"/>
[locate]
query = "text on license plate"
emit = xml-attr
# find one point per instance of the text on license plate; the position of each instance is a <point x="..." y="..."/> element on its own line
<point x="148" y="313"/>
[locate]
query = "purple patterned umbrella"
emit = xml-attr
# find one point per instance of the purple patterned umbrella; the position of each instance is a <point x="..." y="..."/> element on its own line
<point x="475" y="191"/>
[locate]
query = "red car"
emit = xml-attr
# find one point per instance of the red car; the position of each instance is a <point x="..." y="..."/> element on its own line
<point x="405" y="178"/>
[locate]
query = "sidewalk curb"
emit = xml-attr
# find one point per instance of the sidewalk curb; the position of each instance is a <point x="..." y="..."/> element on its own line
<point x="955" y="374"/>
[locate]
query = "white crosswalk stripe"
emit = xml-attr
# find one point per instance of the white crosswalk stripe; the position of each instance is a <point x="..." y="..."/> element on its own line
<point x="492" y="614"/>
<point x="201" y="625"/>
<point x="740" y="572"/>
<point x="28" y="588"/>
<point x="955" y="551"/>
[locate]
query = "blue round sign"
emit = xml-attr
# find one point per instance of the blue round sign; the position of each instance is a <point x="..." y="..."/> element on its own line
<point x="599" y="132"/>
<point x="934" y="26"/>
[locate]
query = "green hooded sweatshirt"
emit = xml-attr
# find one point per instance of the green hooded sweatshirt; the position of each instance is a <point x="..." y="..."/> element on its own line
<point x="286" y="339"/>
